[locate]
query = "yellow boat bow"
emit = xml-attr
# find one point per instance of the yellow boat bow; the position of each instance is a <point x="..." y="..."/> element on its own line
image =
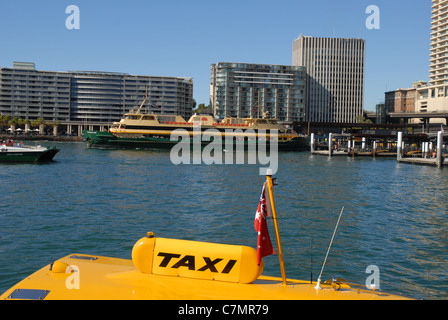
<point x="169" y="269"/>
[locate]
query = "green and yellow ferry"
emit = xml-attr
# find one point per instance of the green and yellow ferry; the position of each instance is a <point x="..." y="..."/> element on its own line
<point x="140" y="130"/>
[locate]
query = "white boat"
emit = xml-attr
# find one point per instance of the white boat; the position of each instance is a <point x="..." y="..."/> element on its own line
<point x="21" y="153"/>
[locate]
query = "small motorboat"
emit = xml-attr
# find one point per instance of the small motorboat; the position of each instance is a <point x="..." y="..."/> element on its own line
<point x="21" y="153"/>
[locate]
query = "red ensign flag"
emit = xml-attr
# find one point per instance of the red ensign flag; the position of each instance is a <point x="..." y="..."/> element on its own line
<point x="264" y="245"/>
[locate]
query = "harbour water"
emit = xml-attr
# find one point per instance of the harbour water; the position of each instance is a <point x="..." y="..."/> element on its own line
<point x="102" y="201"/>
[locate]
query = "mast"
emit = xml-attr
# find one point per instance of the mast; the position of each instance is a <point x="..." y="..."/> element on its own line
<point x="274" y="217"/>
<point x="144" y="100"/>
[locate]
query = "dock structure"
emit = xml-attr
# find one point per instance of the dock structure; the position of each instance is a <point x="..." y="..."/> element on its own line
<point x="424" y="161"/>
<point x="431" y="153"/>
<point x="354" y="145"/>
<point x="425" y="149"/>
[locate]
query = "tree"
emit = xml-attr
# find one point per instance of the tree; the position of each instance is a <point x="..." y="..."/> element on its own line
<point x="202" y="108"/>
<point x="4" y="121"/>
<point x="40" y="122"/>
<point x="14" y="122"/>
<point x="27" y="123"/>
<point x="56" y="124"/>
<point x="362" y="119"/>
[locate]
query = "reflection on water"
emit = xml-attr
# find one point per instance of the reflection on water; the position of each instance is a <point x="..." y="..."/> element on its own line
<point x="102" y="201"/>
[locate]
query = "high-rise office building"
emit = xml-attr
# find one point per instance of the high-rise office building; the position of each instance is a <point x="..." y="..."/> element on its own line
<point x="237" y="89"/>
<point x="335" y="81"/>
<point x="86" y="96"/>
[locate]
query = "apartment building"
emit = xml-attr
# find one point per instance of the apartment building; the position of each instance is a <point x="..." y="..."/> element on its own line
<point x="30" y="94"/>
<point x="433" y="98"/>
<point x="248" y="89"/>
<point x="438" y="67"/>
<point x="87" y="96"/>
<point x="106" y="96"/>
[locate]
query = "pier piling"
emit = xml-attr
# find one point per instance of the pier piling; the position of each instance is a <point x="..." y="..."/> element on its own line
<point x="330" y="144"/>
<point x="439" y="149"/>
<point x="399" y="145"/>
<point x="312" y="143"/>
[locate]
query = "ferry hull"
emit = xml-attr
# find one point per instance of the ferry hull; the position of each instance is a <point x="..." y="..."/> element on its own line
<point x="98" y="139"/>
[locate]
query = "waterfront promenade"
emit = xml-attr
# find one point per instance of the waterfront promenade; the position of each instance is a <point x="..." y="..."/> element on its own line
<point x="49" y="137"/>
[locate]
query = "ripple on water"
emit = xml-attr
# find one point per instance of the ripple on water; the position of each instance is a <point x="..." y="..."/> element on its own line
<point x="102" y="201"/>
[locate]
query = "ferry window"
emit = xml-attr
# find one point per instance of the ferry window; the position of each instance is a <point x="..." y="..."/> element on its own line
<point x="148" y="118"/>
<point x="164" y="118"/>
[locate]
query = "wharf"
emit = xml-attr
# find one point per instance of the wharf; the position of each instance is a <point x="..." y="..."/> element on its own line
<point x="355" y="154"/>
<point x="421" y="149"/>
<point x="422" y="161"/>
<point x="326" y="153"/>
<point x="379" y="154"/>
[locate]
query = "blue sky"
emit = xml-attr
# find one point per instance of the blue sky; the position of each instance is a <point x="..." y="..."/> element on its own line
<point x="183" y="38"/>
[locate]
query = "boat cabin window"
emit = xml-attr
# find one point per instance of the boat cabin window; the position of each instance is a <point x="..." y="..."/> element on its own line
<point x="237" y="121"/>
<point x="163" y="118"/>
<point x="148" y="118"/>
<point x="133" y="117"/>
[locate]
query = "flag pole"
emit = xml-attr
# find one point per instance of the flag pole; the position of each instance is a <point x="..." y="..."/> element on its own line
<point x="274" y="217"/>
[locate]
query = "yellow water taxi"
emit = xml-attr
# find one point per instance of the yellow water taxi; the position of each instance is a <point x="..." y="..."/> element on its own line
<point x="172" y="269"/>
